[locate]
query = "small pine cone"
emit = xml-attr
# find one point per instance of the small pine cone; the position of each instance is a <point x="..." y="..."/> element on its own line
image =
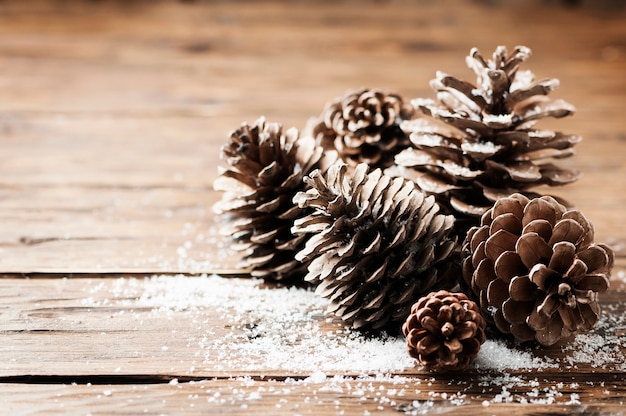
<point x="266" y="167"/>
<point x="535" y="269"/>
<point x="376" y="244"/>
<point x="477" y="143"/>
<point x="444" y="331"/>
<point x="363" y="126"/>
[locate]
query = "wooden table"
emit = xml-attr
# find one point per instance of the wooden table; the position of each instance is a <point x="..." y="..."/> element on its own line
<point x="111" y="117"/>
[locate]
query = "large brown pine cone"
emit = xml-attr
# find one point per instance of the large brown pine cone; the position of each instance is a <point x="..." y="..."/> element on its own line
<point x="266" y="167"/>
<point x="364" y="126"/>
<point x="444" y="331"/>
<point x="375" y="244"/>
<point x="477" y="142"/>
<point x="535" y="269"/>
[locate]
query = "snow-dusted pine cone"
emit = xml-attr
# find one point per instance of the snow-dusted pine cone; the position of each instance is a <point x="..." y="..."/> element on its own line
<point x="375" y="244"/>
<point x="535" y="269"/>
<point x="444" y="331"/>
<point x="364" y="126"/>
<point x="266" y="167"/>
<point x="478" y="142"/>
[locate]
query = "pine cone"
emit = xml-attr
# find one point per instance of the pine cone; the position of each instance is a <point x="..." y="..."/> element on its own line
<point x="363" y="126"/>
<point x="535" y="269"/>
<point x="444" y="331"/>
<point x="376" y="244"/>
<point x="266" y="170"/>
<point x="477" y="143"/>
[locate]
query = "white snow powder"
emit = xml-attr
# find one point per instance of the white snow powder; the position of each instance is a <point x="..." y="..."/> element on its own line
<point x="497" y="355"/>
<point x="288" y="330"/>
<point x="272" y="330"/>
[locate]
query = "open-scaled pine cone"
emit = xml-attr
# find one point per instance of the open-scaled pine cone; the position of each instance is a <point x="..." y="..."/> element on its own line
<point x="535" y="269"/>
<point x="363" y="126"/>
<point x="478" y="142"/>
<point x="375" y="244"/>
<point x="266" y="167"/>
<point x="444" y="331"/>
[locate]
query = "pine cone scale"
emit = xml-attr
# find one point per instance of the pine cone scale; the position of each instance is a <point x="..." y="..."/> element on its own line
<point x="567" y="230"/>
<point x="517" y="312"/>
<point x="506" y="222"/>
<point x="500" y="242"/>
<point x="593" y="282"/>
<point x="532" y="249"/>
<point x="465" y="330"/>
<point x="597" y="258"/>
<point x="522" y="289"/>
<point x="479" y="255"/>
<point x="564" y="255"/>
<point x="508" y="266"/>
<point x="543" y="277"/>
<point x="540" y="227"/>
<point x="497" y="292"/>
<point x="576" y="271"/>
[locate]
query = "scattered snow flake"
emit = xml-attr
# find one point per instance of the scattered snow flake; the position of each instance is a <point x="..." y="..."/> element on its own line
<point x="497" y="355"/>
<point x="498" y="120"/>
<point x="487" y="147"/>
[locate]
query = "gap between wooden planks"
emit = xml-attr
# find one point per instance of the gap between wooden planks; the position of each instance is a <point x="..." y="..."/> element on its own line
<point x="73" y="344"/>
<point x="408" y="395"/>
<point x="84" y="344"/>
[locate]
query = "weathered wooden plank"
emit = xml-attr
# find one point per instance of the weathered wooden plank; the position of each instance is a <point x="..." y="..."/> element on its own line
<point x="111" y="116"/>
<point x="513" y="394"/>
<point x="100" y="229"/>
<point x="204" y="327"/>
<point x="108" y="126"/>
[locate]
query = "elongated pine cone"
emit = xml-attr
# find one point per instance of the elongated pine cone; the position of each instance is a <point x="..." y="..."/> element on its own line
<point x="266" y="167"/>
<point x="364" y="126"/>
<point x="444" y="331"/>
<point x="477" y="143"/>
<point x="376" y="244"/>
<point x="535" y="269"/>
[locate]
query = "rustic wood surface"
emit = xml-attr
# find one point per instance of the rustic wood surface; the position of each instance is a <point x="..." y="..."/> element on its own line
<point x="111" y="119"/>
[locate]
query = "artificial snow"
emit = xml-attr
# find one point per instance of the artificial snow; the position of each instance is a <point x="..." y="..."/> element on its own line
<point x="497" y="355"/>
<point x="487" y="147"/>
<point x="287" y="329"/>
<point x="264" y="329"/>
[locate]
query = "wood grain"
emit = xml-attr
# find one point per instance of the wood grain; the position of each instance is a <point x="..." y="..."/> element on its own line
<point x="407" y="395"/>
<point x="102" y="104"/>
<point x="111" y="119"/>
<point x="96" y="344"/>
